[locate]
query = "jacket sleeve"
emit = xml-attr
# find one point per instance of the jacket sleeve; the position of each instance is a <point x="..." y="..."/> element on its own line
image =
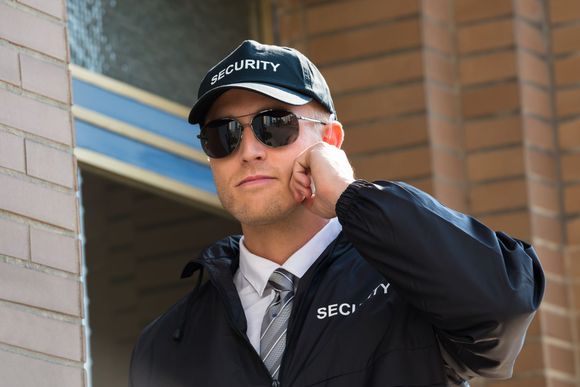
<point x="478" y="288"/>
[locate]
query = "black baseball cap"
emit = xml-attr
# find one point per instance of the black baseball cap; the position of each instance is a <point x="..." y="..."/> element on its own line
<point x="281" y="73"/>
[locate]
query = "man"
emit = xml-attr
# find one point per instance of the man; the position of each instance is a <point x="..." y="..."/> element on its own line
<point x="335" y="281"/>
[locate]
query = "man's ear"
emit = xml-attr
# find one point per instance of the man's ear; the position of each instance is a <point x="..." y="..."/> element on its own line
<point x="333" y="133"/>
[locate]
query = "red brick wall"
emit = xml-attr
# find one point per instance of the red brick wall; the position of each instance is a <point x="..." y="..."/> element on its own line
<point x="377" y="83"/>
<point x="477" y="102"/>
<point x="41" y="339"/>
<point x="547" y="37"/>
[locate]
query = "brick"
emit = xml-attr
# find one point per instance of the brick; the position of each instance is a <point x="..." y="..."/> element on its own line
<point x="485" y="36"/>
<point x="29" y="331"/>
<point x="44" y="78"/>
<point x="495" y="164"/>
<point x="564" y="10"/>
<point x="516" y="223"/>
<point x="382" y="135"/>
<point x="19" y="370"/>
<point x="55" y="250"/>
<point x="524" y="381"/>
<point x="373" y="72"/>
<point x="566" y="71"/>
<point x="552" y="260"/>
<point x="569" y="134"/>
<point x="439" y="68"/>
<point x="471" y="10"/>
<point x="573" y="257"/>
<point x="47" y="36"/>
<point x="394" y="165"/>
<point x="539" y="133"/>
<point x="542" y="164"/>
<point x="38" y="202"/>
<point x="381" y="103"/>
<point x="561" y="383"/>
<point x="571" y="166"/>
<point x="35" y="117"/>
<point x="50" y="164"/>
<point x="493" y="99"/>
<point x="494" y="132"/>
<point x="568" y="102"/>
<point x="343" y="15"/>
<point x="556" y="293"/>
<point x="557" y="326"/>
<point x="286" y="5"/>
<point x="425" y="184"/>
<point x="502" y="195"/>
<point x="560" y="359"/>
<point x="437" y="36"/>
<point x="449" y="165"/>
<point x="565" y="39"/>
<point x="572" y="198"/>
<point x="444" y="133"/>
<point x="547" y="228"/>
<point x="545" y="196"/>
<point x="531" y="358"/>
<point x="488" y="68"/>
<point x="451" y="195"/>
<point x="442" y="101"/>
<point x="533" y="68"/>
<point x="51" y="7"/>
<point x="438" y="10"/>
<point x="291" y="26"/>
<point x="34" y="288"/>
<point x="12" y="151"/>
<point x="14" y="239"/>
<point x="9" y="70"/>
<point x="530" y="37"/>
<point x="573" y="232"/>
<point x="530" y="9"/>
<point x="352" y="44"/>
<point x="536" y="101"/>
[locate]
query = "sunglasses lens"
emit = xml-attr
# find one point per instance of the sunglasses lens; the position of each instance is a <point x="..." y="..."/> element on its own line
<point x="276" y="128"/>
<point x="219" y="138"/>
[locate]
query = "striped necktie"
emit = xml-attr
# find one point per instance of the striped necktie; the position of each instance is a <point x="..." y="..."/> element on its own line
<point x="275" y="323"/>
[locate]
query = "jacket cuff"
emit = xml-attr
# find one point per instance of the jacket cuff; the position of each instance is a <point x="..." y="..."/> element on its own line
<point x="348" y="197"/>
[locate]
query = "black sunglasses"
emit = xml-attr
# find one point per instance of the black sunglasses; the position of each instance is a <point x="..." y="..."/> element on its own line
<point x="274" y="128"/>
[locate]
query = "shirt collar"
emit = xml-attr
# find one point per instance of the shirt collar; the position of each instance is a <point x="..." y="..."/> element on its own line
<point x="257" y="270"/>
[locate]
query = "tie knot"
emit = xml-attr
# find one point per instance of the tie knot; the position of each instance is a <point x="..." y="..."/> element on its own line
<point x="282" y="280"/>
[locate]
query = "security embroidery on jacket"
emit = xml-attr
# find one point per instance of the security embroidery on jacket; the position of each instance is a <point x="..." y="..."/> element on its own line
<point x="346" y="309"/>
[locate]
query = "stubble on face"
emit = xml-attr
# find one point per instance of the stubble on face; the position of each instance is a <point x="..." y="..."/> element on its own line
<point x="273" y="202"/>
<point x="256" y="212"/>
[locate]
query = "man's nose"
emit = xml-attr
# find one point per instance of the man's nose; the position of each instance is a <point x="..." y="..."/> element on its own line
<point x="250" y="147"/>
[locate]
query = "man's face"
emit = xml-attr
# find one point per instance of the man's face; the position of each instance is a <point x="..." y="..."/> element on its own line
<point x="253" y="182"/>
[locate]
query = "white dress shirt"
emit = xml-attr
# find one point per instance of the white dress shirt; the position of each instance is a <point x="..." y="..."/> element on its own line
<point x="254" y="271"/>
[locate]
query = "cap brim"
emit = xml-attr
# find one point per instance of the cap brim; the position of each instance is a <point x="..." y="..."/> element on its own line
<point x="279" y="93"/>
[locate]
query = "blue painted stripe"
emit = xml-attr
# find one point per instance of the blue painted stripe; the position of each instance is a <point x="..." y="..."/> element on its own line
<point x="144" y="156"/>
<point x="135" y="113"/>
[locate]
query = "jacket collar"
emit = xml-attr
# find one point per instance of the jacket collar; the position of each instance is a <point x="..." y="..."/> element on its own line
<point x="223" y="253"/>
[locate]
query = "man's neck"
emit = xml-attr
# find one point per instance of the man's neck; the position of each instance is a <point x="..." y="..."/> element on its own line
<point x="278" y="241"/>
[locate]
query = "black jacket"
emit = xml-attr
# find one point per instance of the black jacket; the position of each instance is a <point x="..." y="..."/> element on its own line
<point x="409" y="294"/>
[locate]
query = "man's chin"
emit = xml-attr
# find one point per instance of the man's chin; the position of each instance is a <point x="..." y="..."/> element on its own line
<point x="264" y="215"/>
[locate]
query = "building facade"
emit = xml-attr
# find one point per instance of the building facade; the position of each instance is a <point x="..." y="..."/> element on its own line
<point x="104" y="193"/>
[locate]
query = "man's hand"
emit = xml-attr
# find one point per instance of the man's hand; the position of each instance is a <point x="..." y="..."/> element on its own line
<point x="320" y="174"/>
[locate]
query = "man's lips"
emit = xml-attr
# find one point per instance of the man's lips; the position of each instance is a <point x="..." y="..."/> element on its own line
<point x="255" y="178"/>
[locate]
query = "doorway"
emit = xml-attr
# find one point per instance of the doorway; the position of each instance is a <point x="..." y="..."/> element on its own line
<point x="136" y="244"/>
